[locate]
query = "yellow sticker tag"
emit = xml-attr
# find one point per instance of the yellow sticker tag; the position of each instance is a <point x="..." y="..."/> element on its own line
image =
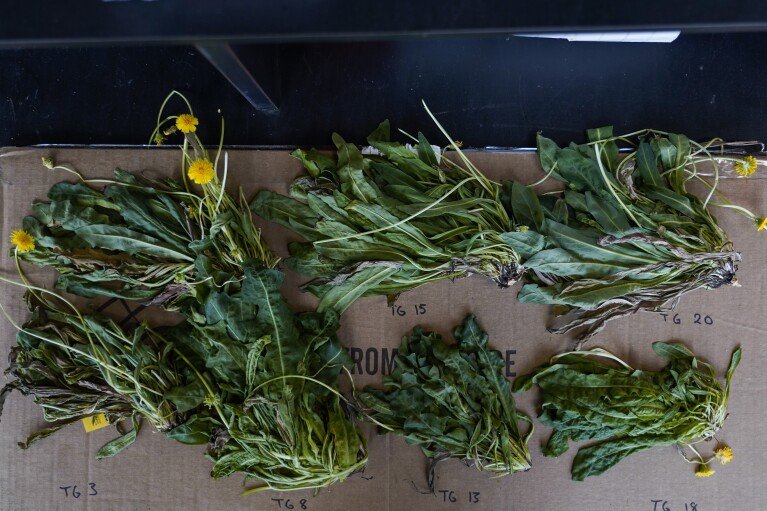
<point x="95" y="422"/>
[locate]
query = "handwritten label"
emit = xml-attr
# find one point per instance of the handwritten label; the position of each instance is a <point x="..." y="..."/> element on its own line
<point x="290" y="503"/>
<point x="74" y="492"/>
<point x="452" y="496"/>
<point x="695" y="318"/>
<point x="402" y="310"/>
<point x="95" y="422"/>
<point x="664" y="505"/>
<point x="361" y="474"/>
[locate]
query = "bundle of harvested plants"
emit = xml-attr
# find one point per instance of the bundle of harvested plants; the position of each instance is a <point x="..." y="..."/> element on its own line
<point x="79" y="365"/>
<point x="268" y="404"/>
<point x="391" y="219"/>
<point x="138" y="239"/>
<point x="628" y="410"/>
<point x="626" y="235"/>
<point x="452" y="401"/>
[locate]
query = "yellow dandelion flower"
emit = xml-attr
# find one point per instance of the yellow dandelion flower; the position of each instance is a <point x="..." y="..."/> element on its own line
<point x="704" y="471"/>
<point x="723" y="454"/>
<point x="201" y="172"/>
<point x="746" y="167"/>
<point x="23" y="240"/>
<point x="187" y="123"/>
<point x="762" y="225"/>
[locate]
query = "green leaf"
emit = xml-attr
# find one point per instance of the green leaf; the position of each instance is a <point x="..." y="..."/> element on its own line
<point x="72" y="216"/>
<point x="612" y="219"/>
<point x="344" y="435"/>
<point x="579" y="171"/>
<point x="347" y="252"/>
<point x="187" y="397"/>
<point x="557" y="444"/>
<point x="380" y="218"/>
<point x="43" y="213"/>
<point x="382" y="133"/>
<point x="599" y="134"/>
<point x="389" y="174"/>
<point x="135" y="210"/>
<point x="560" y="262"/>
<point x="252" y="368"/>
<point x="526" y="207"/>
<point x="526" y="244"/>
<point x="533" y="293"/>
<point x="274" y="318"/>
<point x="122" y="239"/>
<point x="647" y="162"/>
<point x="576" y="200"/>
<point x="45" y="433"/>
<point x="241" y="318"/>
<point x="672" y="199"/>
<point x="325" y="207"/>
<point x="314" y="161"/>
<point x="734" y="362"/>
<point x="547" y="154"/>
<point x="226" y="358"/>
<point x="594" y="460"/>
<point x="195" y="431"/>
<point x="560" y="212"/>
<point x="672" y="351"/>
<point x="589" y="297"/>
<point x="458" y="208"/>
<point x="608" y="148"/>
<point x="285" y="211"/>
<point x="681" y="147"/>
<point x="215" y="307"/>
<point x="304" y="259"/>
<point x="87" y="289"/>
<point x="666" y="152"/>
<point x="81" y="194"/>
<point x="121" y="443"/>
<point x="425" y="151"/>
<point x="339" y="297"/>
<point x="350" y="164"/>
<point x="585" y="244"/>
<point x="407" y="195"/>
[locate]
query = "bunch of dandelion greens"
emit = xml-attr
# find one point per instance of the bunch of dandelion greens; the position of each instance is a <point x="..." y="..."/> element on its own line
<point x="278" y="417"/>
<point x="145" y="240"/>
<point x="254" y="381"/>
<point x="452" y="401"/>
<point x="626" y="235"/>
<point x="393" y="219"/>
<point x="78" y="365"/>
<point x="585" y="396"/>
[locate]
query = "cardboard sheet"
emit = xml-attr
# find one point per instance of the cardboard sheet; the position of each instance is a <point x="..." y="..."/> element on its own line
<point x="158" y="474"/>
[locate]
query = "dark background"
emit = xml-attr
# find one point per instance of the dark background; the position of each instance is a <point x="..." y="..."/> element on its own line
<point x="486" y="87"/>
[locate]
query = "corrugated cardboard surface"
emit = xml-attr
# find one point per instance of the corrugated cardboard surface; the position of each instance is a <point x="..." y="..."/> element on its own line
<point x="158" y="474"/>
